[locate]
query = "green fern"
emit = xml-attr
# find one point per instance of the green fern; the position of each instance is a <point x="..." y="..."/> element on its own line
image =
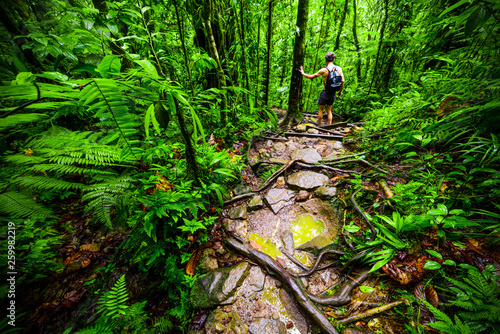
<point x="445" y="324"/>
<point x="20" y="205"/>
<point x="479" y="297"/>
<point x="112" y="303"/>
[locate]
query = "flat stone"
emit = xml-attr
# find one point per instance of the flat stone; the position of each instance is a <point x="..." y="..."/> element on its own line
<point x="255" y="203"/>
<point x="313" y="131"/>
<point x="241" y="189"/>
<point x="219" y="285"/>
<point x="293" y="311"/>
<point x="208" y="260"/>
<point x="293" y="146"/>
<point x="302" y="196"/>
<point x="325" y="192"/>
<point x="307" y="155"/>
<point x="321" y="211"/>
<point x="253" y="283"/>
<point x="238" y="212"/>
<point x="307" y="180"/>
<point x="224" y="322"/>
<point x="278" y="198"/>
<point x="267" y="326"/>
<point x="236" y="226"/>
<point x="287" y="238"/>
<point x="279" y="148"/>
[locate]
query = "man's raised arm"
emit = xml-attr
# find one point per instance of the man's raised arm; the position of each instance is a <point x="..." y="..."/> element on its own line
<point x="312" y="76"/>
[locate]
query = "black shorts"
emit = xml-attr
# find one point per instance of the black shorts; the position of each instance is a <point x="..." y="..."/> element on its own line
<point x="325" y="98"/>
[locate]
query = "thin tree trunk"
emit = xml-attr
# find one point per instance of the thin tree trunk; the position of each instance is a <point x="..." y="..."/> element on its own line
<point x="257" y="85"/>
<point x="320" y="40"/>
<point x="375" y="69"/>
<point x="299" y="50"/>
<point x="356" y="42"/>
<point x="242" y="43"/>
<point x="341" y="25"/>
<point x="269" y="48"/>
<point x="181" y="33"/>
<point x="221" y="79"/>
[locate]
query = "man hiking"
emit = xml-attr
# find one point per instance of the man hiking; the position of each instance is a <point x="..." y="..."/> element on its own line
<point x="327" y="95"/>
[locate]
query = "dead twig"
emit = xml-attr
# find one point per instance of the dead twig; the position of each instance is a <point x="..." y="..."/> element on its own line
<point x="311" y="135"/>
<point x="359" y="160"/>
<point x="287" y="280"/>
<point x="324" y="130"/>
<point x="371" y="312"/>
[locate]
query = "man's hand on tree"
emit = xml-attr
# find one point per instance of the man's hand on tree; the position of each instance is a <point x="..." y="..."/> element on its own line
<point x="301" y="69"/>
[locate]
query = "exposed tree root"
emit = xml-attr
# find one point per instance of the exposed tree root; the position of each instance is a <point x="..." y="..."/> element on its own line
<point x="264" y="186"/>
<point x="347" y="156"/>
<point x="324" y="130"/>
<point x="314" y="268"/>
<point x="311" y="135"/>
<point x="371" y="312"/>
<point x="343" y="296"/>
<point x="327" y="167"/>
<point x="374" y="233"/>
<point x="273" y="267"/>
<point x="331" y="162"/>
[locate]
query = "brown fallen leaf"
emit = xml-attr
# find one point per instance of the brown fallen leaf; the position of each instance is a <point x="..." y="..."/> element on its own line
<point x="193" y="261"/>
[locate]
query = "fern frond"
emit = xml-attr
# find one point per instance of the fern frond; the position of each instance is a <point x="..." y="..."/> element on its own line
<point x="18" y="119"/>
<point x="102" y="197"/>
<point x="19" y="205"/>
<point x="70" y="169"/>
<point x="47" y="183"/>
<point x="112" y="303"/>
<point x="104" y="97"/>
<point x="100" y="327"/>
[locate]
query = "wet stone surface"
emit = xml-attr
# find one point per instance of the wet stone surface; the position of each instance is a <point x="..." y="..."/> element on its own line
<point x="307" y="180"/>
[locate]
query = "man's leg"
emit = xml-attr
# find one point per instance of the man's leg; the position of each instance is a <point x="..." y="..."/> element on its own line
<point x="320" y="114"/>
<point x="329" y="111"/>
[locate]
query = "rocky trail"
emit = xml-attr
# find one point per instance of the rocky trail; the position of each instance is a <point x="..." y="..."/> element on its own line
<point x="282" y="238"/>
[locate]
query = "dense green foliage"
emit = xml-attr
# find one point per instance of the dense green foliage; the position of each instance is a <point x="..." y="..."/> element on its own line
<point x="108" y="108"/>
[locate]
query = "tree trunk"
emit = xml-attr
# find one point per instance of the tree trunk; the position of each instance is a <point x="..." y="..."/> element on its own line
<point x="299" y="48"/>
<point x="181" y="34"/>
<point x="320" y="40"/>
<point x="375" y="69"/>
<point x="242" y="44"/>
<point x="221" y="79"/>
<point x="356" y="42"/>
<point x="341" y="25"/>
<point x="269" y="48"/>
<point x="257" y="78"/>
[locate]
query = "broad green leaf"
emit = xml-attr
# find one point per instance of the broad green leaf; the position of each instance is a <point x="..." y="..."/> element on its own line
<point x="149" y="68"/>
<point x="441" y="210"/>
<point x="109" y="65"/>
<point x="366" y="289"/>
<point x="450" y="263"/>
<point x="434" y="253"/>
<point x="449" y="9"/>
<point x="147" y="117"/>
<point x="432" y="265"/>
<point x="351" y="228"/>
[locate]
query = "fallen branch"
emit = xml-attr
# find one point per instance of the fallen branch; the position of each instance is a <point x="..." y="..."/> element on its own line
<point x="286" y="280"/>
<point x="371" y="312"/>
<point x="374" y="233"/>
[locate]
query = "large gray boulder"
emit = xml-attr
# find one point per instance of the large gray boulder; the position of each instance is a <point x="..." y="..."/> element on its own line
<point x="267" y="326"/>
<point x="307" y="180"/>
